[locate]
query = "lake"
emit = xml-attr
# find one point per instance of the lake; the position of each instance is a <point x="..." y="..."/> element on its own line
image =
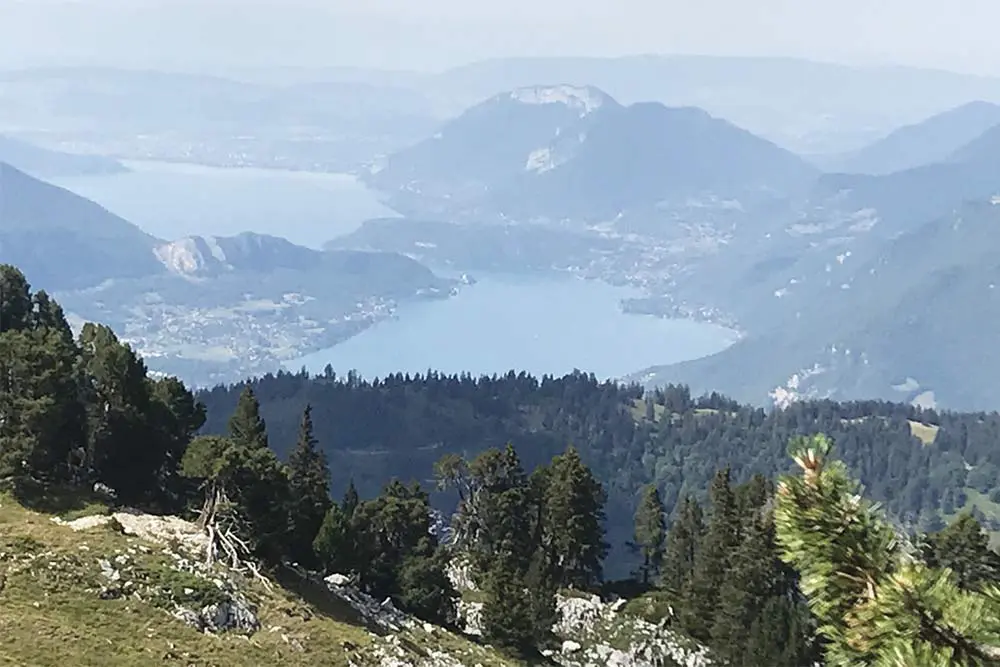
<point x="544" y="325"/>
<point x="171" y="201"/>
<point x="541" y="325"/>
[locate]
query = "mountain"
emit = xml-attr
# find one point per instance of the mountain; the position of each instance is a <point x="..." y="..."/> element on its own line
<point x="901" y="200"/>
<point x="563" y="152"/>
<point x="908" y="318"/>
<point x="44" y="163"/>
<point x="644" y="156"/>
<point x="806" y="106"/>
<point x="65" y="241"/>
<point x="491" y="142"/>
<point x="930" y="141"/>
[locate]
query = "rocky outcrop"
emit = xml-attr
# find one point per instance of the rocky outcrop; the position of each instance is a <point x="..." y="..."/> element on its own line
<point x="595" y="633"/>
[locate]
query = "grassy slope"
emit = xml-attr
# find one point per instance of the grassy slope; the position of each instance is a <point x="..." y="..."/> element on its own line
<point x="51" y="613"/>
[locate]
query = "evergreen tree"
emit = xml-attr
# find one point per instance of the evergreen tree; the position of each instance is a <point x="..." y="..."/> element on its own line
<point x="495" y="515"/>
<point x="309" y="488"/>
<point x="15" y="300"/>
<point x="681" y="548"/>
<point x="876" y="605"/>
<point x="425" y="589"/>
<point x="333" y="546"/>
<point x="42" y="419"/>
<point x="245" y="493"/>
<point x="246" y="426"/>
<point x="573" y="516"/>
<point x="509" y="611"/>
<point x="650" y="533"/>
<point x="350" y="501"/>
<point x="122" y="447"/>
<point x="701" y="594"/>
<point x="391" y="533"/>
<point x="963" y="547"/>
<point x="175" y="417"/>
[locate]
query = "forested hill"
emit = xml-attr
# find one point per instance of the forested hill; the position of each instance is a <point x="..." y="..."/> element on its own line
<point x="923" y="465"/>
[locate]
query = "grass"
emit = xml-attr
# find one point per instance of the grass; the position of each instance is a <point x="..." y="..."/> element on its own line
<point x="51" y="612"/>
<point x="638" y="410"/>
<point x="925" y="433"/>
<point x="981" y="501"/>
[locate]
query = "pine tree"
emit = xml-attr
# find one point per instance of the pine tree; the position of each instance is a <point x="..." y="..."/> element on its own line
<point x="746" y="589"/>
<point x="509" y="611"/>
<point x="175" y="418"/>
<point x="875" y="604"/>
<point x="425" y="589"/>
<point x="333" y="546"/>
<point x="309" y="488"/>
<point x="15" y="299"/>
<point x="245" y="493"/>
<point x="650" y="533"/>
<point x="392" y="530"/>
<point x="573" y="517"/>
<point x="246" y="426"/>
<point x="715" y="552"/>
<point x="681" y="548"/>
<point x="963" y="547"/>
<point x="350" y="501"/>
<point x="122" y="446"/>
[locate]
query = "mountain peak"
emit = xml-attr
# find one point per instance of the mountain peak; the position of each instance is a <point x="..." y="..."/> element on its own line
<point x="585" y="98"/>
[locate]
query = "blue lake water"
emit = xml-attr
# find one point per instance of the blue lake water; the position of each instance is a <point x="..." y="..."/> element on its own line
<point x="545" y="325"/>
<point x="171" y="201"/>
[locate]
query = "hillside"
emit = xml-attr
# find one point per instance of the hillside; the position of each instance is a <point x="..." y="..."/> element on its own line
<point x="64" y="240"/>
<point x="927" y="142"/>
<point x="45" y="163"/>
<point x="135" y="582"/>
<point x="488" y="144"/>
<point x="860" y="319"/>
<point x="564" y="153"/>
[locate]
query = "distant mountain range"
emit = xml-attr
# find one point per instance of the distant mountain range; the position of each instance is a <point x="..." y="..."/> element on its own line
<point x="805" y="106"/>
<point x="569" y="153"/>
<point x="935" y="139"/>
<point x="320" y="125"/>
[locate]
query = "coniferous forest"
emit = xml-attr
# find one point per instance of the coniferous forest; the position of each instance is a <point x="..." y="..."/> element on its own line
<point x="689" y="507"/>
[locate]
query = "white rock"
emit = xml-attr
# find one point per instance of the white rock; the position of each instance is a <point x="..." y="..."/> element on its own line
<point x="570" y="646"/>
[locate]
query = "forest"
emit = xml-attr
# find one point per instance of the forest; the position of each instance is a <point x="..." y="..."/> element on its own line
<point x="923" y="465"/>
<point x="541" y="481"/>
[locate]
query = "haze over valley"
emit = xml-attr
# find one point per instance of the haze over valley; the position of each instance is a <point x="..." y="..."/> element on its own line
<point x="241" y="198"/>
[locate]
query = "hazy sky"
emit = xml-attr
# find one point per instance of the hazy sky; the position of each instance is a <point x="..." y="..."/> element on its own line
<point x="432" y="34"/>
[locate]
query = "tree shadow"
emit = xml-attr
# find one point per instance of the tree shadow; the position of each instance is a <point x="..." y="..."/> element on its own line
<point x="58" y="499"/>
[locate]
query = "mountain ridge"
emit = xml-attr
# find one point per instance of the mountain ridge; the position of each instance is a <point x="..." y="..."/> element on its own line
<point x="935" y="139"/>
<point x="512" y="160"/>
